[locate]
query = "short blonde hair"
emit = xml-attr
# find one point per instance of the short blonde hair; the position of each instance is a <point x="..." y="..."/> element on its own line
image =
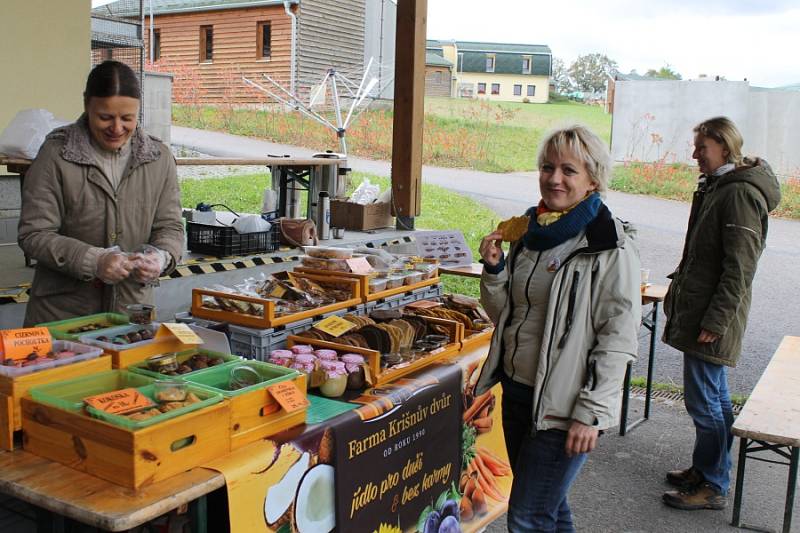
<point x="725" y="132"/>
<point x="580" y="142"/>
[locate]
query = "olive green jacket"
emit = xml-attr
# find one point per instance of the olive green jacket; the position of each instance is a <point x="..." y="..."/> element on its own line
<point x="711" y="289"/>
<point x="68" y="206"/>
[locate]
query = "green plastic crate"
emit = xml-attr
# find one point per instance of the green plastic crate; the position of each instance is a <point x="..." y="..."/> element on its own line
<point x="141" y="367"/>
<point x="59" y="329"/>
<point x="69" y="394"/>
<point x="217" y="378"/>
<point x="207" y="398"/>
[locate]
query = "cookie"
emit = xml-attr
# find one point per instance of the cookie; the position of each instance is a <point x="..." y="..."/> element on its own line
<point x="514" y="228"/>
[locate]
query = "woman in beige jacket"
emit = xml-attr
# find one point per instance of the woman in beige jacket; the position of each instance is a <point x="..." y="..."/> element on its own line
<point x="566" y="304"/>
<point x="100" y="207"/>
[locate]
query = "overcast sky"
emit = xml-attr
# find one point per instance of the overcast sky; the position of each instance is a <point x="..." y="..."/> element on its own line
<point x="753" y="39"/>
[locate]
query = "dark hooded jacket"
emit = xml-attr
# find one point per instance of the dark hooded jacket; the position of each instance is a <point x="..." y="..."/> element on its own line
<point x="711" y="289"/>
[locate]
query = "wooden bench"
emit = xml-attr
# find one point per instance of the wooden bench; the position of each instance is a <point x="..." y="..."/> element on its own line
<point x="770" y="422"/>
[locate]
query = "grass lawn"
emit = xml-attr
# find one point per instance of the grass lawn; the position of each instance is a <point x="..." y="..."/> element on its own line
<point x="441" y="210"/>
<point x="488" y="136"/>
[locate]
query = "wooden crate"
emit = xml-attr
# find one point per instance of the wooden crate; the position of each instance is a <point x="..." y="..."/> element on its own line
<point x="13" y="389"/>
<point x="474" y="339"/>
<point x="123" y="358"/>
<point x="381" y="375"/>
<point x="128" y="458"/>
<point x="363" y="280"/>
<point x="268" y="318"/>
<point x="372" y="358"/>
<point x="256" y="415"/>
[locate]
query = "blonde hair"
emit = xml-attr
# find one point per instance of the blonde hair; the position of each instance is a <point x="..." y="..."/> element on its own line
<point x="580" y="142"/>
<point x="725" y="132"/>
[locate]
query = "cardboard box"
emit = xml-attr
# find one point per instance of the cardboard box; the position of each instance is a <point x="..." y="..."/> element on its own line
<point x="360" y="217"/>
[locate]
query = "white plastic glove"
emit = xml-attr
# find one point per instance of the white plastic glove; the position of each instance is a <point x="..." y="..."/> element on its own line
<point x="148" y="263"/>
<point x="113" y="266"/>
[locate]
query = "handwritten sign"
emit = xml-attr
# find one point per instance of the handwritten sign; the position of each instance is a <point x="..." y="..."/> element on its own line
<point x="18" y="344"/>
<point x="334" y="326"/>
<point x="359" y="265"/>
<point x="119" y="402"/>
<point x="288" y="396"/>
<point x="183" y="332"/>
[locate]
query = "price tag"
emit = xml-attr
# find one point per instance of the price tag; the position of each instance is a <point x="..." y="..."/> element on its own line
<point x="288" y="396"/>
<point x="359" y="265"/>
<point x="119" y="401"/>
<point x="423" y="304"/>
<point x="181" y="331"/>
<point x="18" y="344"/>
<point x="335" y="326"/>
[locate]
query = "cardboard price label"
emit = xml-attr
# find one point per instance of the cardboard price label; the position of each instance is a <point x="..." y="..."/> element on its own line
<point x="288" y="396"/>
<point x="359" y="265"/>
<point x="119" y="401"/>
<point x="334" y="326"/>
<point x="18" y="344"/>
<point x="181" y="331"/>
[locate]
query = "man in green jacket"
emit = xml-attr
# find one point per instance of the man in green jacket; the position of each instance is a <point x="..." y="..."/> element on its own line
<point x="709" y="299"/>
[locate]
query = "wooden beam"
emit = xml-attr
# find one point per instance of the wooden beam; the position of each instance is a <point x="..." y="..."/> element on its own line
<point x="409" y="111"/>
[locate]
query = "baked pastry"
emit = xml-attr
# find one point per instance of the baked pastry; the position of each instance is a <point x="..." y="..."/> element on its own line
<point x="514" y="228"/>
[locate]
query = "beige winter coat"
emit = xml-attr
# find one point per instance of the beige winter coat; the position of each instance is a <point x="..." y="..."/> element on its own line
<point x="591" y="329"/>
<point x="68" y="206"/>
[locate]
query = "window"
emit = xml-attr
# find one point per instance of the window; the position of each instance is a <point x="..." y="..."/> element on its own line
<point x="206" y="44"/>
<point x="495" y="88"/>
<point x="517" y="90"/>
<point x="481" y="88"/>
<point x="531" y="90"/>
<point x="156" y="45"/>
<point x="437" y="77"/>
<point x="490" y="63"/>
<point x="264" y="40"/>
<point x="526" y="64"/>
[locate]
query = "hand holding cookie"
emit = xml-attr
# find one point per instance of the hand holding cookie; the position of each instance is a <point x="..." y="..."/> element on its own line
<point x="491" y="248"/>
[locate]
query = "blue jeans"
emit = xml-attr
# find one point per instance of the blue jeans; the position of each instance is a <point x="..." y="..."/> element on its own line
<point x="709" y="404"/>
<point x="543" y="473"/>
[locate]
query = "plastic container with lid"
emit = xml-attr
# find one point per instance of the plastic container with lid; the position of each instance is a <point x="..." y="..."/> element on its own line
<point x="105" y="339"/>
<point x="377" y="284"/>
<point x="163" y="363"/>
<point x="142" y="314"/>
<point x="170" y="390"/>
<point x="394" y="281"/>
<point x="333" y="264"/>
<point x="428" y="270"/>
<point x="82" y="352"/>
<point x="412" y="277"/>
<point x="328" y="252"/>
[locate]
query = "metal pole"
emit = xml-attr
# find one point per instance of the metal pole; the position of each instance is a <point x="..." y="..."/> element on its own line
<point x="736" y="519"/>
<point x="340" y="131"/>
<point x="152" y="47"/>
<point x="651" y="360"/>
<point x="790" y="489"/>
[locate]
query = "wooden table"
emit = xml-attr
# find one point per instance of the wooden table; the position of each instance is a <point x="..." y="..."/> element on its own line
<point x="770" y="422"/>
<point x="62" y="493"/>
<point x="653" y="294"/>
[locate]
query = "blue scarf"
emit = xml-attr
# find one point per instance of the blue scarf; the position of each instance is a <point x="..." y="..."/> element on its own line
<point x="545" y="237"/>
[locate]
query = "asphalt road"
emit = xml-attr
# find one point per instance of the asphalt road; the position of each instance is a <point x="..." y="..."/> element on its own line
<point x="661" y="224"/>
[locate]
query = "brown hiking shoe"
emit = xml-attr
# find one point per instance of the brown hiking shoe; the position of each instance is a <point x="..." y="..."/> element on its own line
<point x="684" y="479"/>
<point x="702" y="496"/>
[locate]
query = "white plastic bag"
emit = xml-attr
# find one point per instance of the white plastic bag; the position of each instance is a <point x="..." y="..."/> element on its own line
<point x="26" y="132"/>
<point x="366" y="193"/>
<point x="251" y="224"/>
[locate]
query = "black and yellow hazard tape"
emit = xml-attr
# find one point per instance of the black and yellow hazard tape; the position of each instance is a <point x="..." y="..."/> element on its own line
<point x="204" y="265"/>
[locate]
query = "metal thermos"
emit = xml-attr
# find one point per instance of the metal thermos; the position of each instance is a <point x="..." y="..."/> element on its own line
<point x="324" y="216"/>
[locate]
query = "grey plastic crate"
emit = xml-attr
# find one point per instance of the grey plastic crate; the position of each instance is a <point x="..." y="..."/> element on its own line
<point x="187" y="318"/>
<point x="258" y="343"/>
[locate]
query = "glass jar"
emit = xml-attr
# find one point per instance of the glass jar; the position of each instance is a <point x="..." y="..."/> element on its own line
<point x="166" y="362"/>
<point x="170" y="390"/>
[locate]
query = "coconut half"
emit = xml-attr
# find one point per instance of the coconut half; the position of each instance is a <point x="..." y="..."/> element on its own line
<point x="314" y="510"/>
<point x="280" y="495"/>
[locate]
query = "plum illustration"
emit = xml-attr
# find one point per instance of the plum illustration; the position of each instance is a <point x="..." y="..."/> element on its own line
<point x="449" y="525"/>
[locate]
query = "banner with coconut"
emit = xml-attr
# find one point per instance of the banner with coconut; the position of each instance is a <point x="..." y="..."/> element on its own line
<point x="422" y="454"/>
